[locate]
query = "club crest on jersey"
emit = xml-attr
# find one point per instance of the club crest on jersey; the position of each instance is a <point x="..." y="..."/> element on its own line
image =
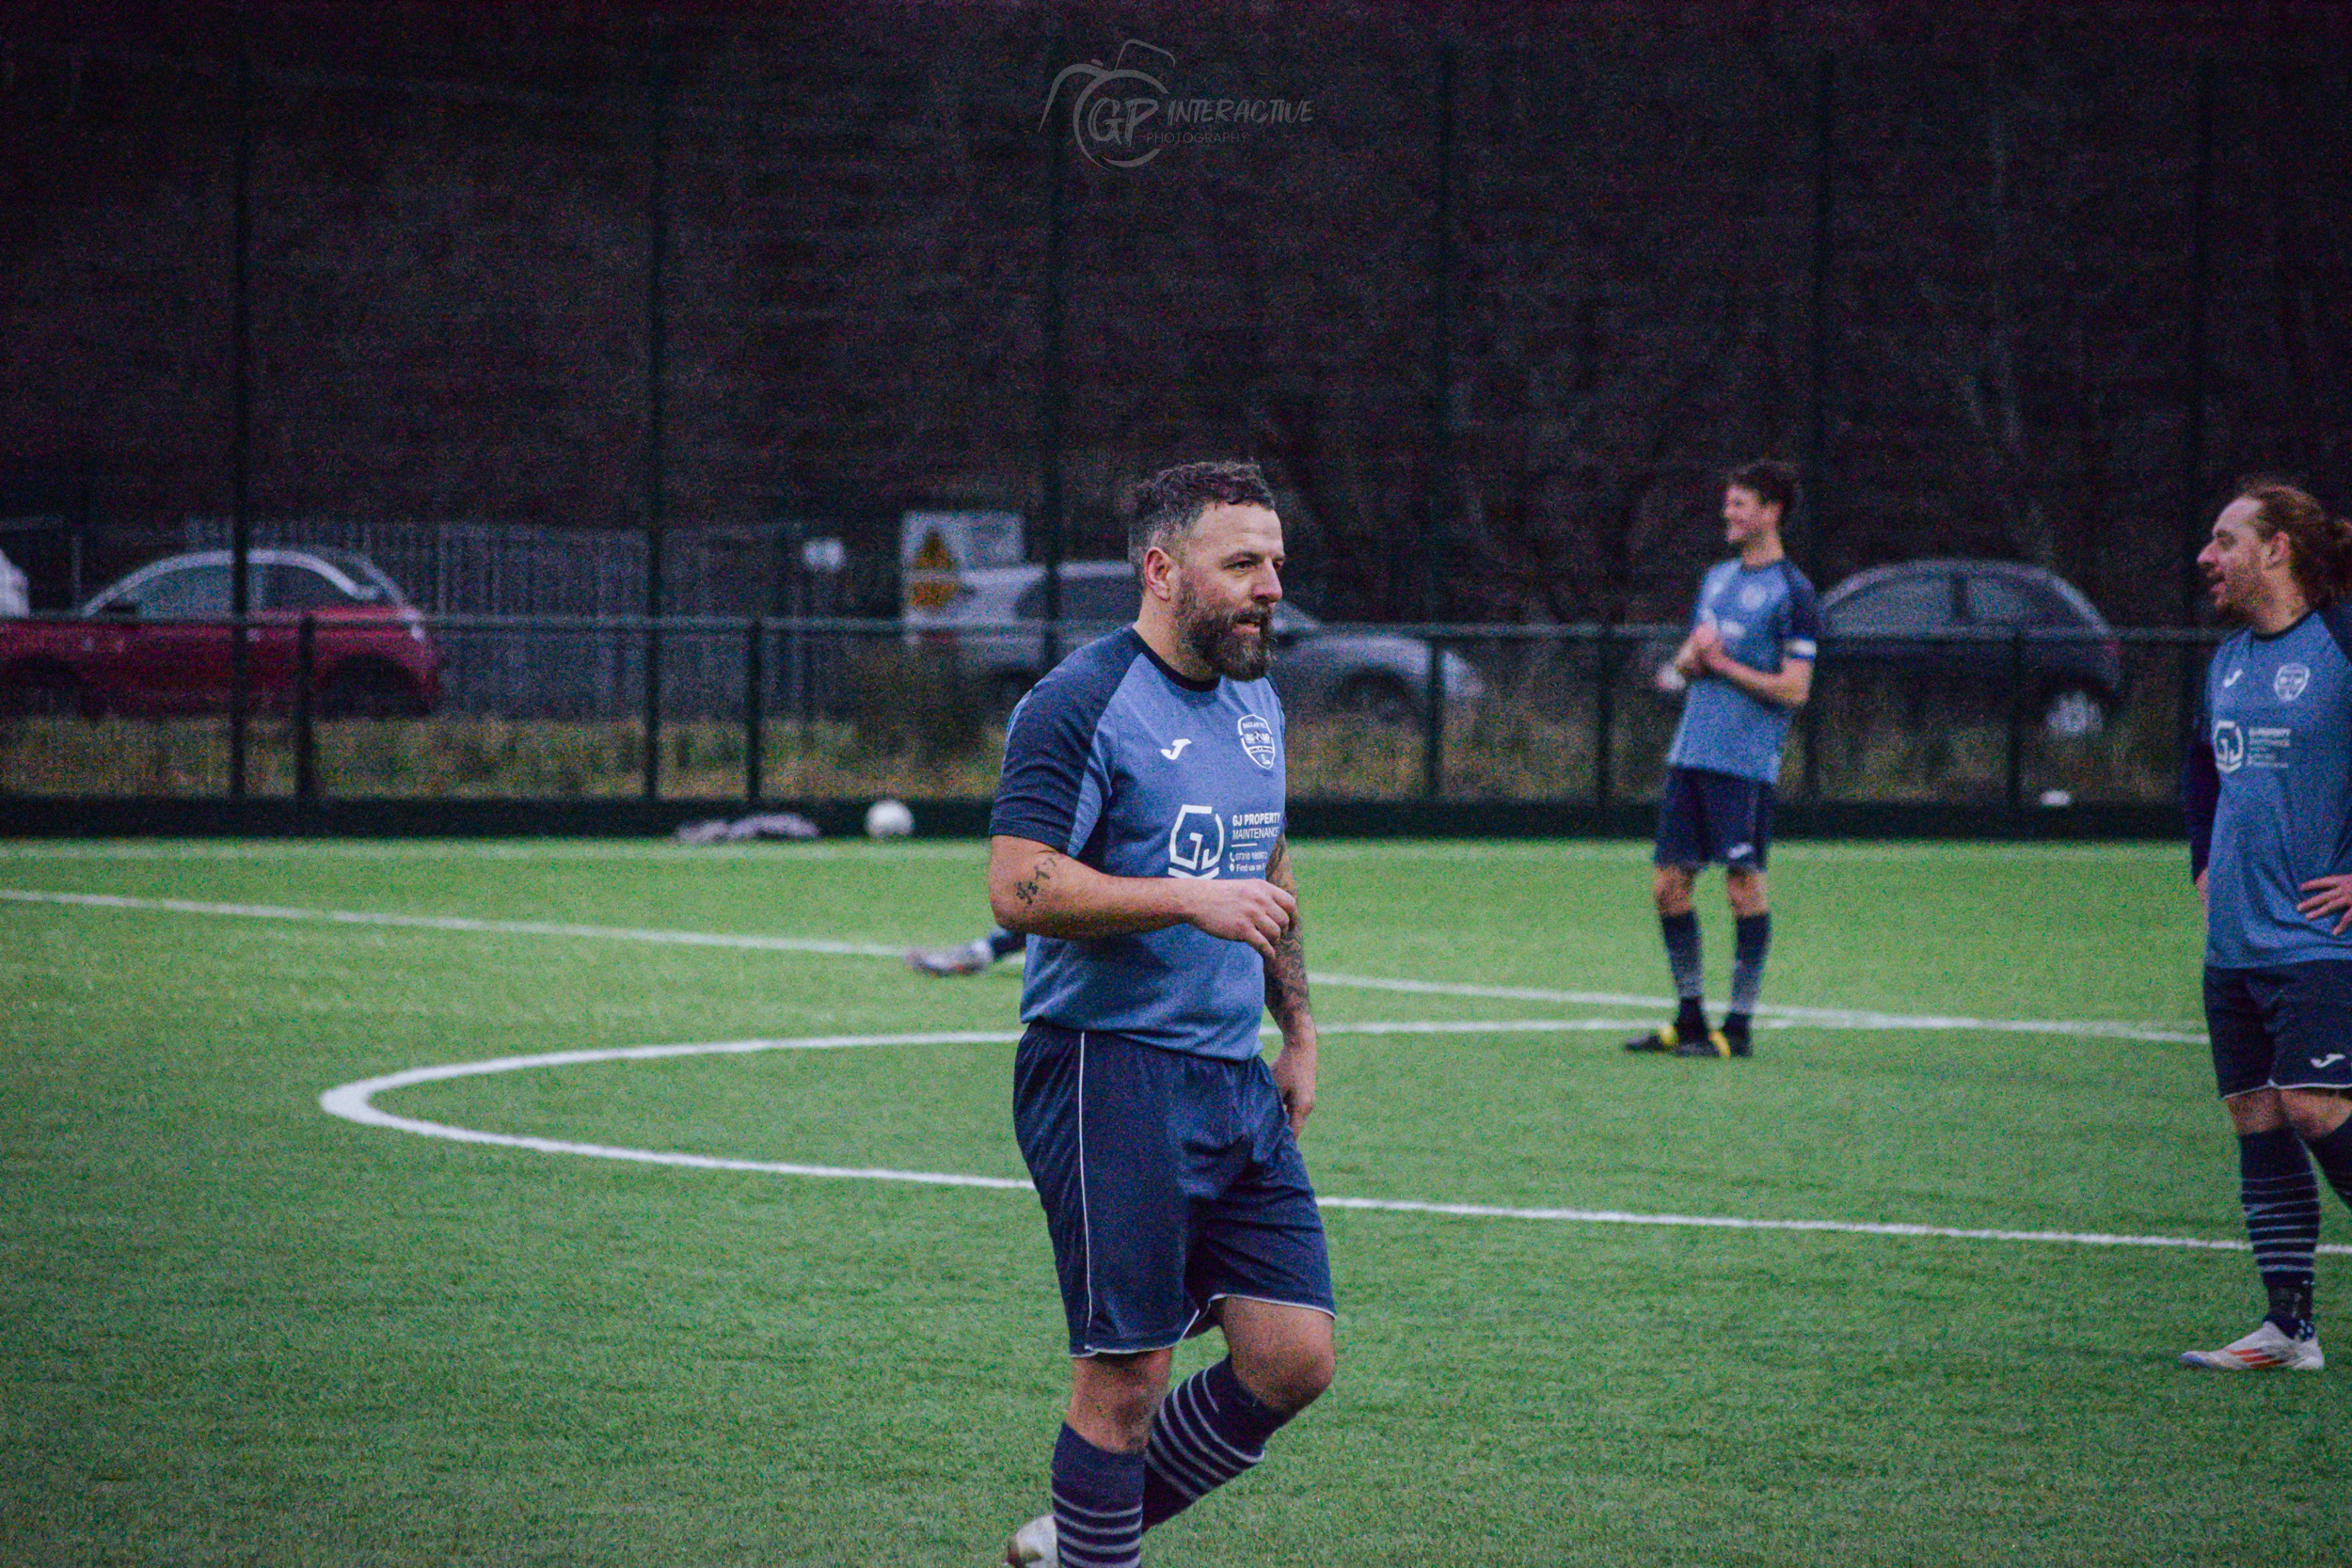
<point x="1754" y="595"/>
<point x="1257" y="738"/>
<point x="2228" y="745"/>
<point x="2291" y="681"/>
<point x="1196" y="843"/>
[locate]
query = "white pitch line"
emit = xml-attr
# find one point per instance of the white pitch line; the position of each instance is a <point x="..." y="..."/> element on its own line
<point x="469" y="849"/>
<point x="1607" y="852"/>
<point x="354" y="1101"/>
<point x="1826" y="1018"/>
<point x="1820" y="1017"/>
<point x="458" y="923"/>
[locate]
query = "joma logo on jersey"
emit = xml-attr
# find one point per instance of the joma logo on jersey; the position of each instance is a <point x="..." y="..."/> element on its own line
<point x="1196" y="843"/>
<point x="2291" y="681"/>
<point x="1257" y="738"/>
<point x="2228" y="745"/>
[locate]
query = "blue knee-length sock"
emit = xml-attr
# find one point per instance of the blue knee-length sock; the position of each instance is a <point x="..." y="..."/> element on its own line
<point x="1209" y="1431"/>
<point x="2334" y="1155"/>
<point x="2282" y="1203"/>
<point x="1098" y="1504"/>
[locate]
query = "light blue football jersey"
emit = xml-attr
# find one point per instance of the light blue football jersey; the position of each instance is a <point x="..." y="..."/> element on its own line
<point x="1129" y="767"/>
<point x="1765" y="614"/>
<point x="2278" y="717"/>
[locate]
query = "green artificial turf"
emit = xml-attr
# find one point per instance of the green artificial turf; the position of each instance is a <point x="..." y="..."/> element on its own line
<point x="234" y="1329"/>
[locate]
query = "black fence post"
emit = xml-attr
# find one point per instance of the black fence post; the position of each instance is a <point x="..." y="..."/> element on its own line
<point x="1433" y="723"/>
<point x="1052" y="395"/>
<point x="1809" y="737"/>
<point x="240" y="706"/>
<point x="755" y="704"/>
<point x="1437" y="494"/>
<point x="2014" y="791"/>
<point x="1812" y="522"/>
<point x="657" y="337"/>
<point x="241" y="414"/>
<point x="305" y="733"/>
<point x="651" y="717"/>
<point x="2196" y="392"/>
<point x="804" y="683"/>
<point x="1604" y="714"/>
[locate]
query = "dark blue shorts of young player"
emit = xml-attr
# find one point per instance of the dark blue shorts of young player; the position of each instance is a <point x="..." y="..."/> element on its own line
<point x="2288" y="1026"/>
<point x="1704" y="817"/>
<point x="1169" y="1182"/>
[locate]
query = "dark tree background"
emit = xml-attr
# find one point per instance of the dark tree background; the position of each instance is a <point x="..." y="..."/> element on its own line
<point x="1989" y="314"/>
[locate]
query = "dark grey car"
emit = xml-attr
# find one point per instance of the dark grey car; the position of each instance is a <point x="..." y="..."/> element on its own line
<point x="1950" y="625"/>
<point x="994" y="626"/>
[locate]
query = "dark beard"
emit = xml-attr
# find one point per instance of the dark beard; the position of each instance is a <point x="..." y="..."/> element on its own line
<point x="1218" y="643"/>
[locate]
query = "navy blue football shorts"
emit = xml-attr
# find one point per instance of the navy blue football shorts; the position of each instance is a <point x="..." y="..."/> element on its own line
<point x="2285" y="1027"/>
<point x="1169" y="1182"/>
<point x="1704" y="817"/>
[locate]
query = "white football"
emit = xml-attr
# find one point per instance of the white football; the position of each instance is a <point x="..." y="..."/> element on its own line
<point x="888" y="819"/>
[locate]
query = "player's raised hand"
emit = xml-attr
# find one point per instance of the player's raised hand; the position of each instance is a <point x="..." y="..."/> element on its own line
<point x="2327" y="895"/>
<point x="1695" y="657"/>
<point x="1241" y="909"/>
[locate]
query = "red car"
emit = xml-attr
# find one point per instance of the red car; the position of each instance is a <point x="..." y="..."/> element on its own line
<point x="157" y="641"/>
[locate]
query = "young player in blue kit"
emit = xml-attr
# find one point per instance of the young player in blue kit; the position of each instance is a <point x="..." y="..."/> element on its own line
<point x="2269" y="793"/>
<point x="1747" y="666"/>
<point x="1137" y="840"/>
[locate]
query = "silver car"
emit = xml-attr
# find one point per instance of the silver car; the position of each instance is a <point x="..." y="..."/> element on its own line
<point x="994" y="626"/>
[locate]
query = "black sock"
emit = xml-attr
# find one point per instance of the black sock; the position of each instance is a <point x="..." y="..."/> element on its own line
<point x="1736" y="1025"/>
<point x="1002" y="943"/>
<point x="2282" y="1203"/>
<point x="1681" y="934"/>
<point x="1751" y="940"/>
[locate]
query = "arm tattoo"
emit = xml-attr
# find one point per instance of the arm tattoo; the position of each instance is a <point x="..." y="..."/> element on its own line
<point x="1040" y="873"/>
<point x="1286" y="977"/>
<point x="1286" y="972"/>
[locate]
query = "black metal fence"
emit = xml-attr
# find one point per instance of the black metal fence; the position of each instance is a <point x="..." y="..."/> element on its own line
<point x="756" y="711"/>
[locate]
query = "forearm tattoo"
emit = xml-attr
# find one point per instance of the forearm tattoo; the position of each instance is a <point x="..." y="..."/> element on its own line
<point x="1029" y="887"/>
<point x="1286" y="972"/>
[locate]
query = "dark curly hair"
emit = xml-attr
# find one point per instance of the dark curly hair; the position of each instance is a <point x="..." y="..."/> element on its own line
<point x="1773" y="482"/>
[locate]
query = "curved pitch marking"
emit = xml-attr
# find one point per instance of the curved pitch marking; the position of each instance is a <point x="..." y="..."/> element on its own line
<point x="354" y="1101"/>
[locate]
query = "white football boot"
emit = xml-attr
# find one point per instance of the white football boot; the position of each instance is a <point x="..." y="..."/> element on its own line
<point x="965" y="958"/>
<point x="1034" y="1546"/>
<point x="2264" y="1349"/>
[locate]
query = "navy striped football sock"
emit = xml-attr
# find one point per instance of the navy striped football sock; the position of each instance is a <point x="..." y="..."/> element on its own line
<point x="1209" y="1431"/>
<point x="2334" y="1155"/>
<point x="1098" y="1504"/>
<point x="2282" y="1220"/>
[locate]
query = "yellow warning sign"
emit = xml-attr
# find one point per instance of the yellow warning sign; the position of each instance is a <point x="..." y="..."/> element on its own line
<point x="932" y="573"/>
